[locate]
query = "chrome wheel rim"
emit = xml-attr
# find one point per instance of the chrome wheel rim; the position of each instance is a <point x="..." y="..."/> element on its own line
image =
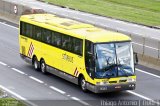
<point x="35" y="64"/>
<point x="43" y="67"/>
<point x="83" y="84"/>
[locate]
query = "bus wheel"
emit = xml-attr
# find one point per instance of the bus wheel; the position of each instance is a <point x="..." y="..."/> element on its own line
<point x="35" y="63"/>
<point x="43" y="67"/>
<point x="83" y="84"/>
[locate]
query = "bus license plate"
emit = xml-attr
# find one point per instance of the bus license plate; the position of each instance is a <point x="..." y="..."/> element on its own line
<point x="117" y="87"/>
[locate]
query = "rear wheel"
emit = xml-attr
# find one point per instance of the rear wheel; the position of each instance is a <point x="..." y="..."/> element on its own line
<point x="83" y="84"/>
<point x="43" y="67"/>
<point x="35" y="64"/>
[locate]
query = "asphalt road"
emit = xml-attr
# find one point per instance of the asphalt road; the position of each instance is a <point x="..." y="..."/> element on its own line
<point x="23" y="82"/>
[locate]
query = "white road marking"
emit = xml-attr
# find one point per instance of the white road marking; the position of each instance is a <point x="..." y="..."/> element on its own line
<point x="141" y="96"/>
<point x="137" y="43"/>
<point x="35" y="79"/>
<point x="3" y="63"/>
<point x="8" y="25"/>
<point x="152" y="47"/>
<point x="148" y="73"/>
<point x="80" y="101"/>
<point x="17" y="70"/>
<point x="58" y="90"/>
<point x="146" y="46"/>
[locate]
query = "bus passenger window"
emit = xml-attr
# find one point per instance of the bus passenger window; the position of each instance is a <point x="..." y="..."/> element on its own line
<point x="30" y="30"/>
<point x="70" y="44"/>
<point x="22" y="28"/>
<point x="77" y="46"/>
<point x="33" y="31"/>
<point x="46" y="36"/>
<point x="66" y="42"/>
<point x="27" y="30"/>
<point x="38" y="34"/>
<point x="58" y="39"/>
<point x="53" y="38"/>
<point x="48" y="39"/>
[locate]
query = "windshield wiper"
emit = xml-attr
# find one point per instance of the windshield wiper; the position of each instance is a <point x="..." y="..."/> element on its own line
<point x="118" y="66"/>
<point x="122" y="69"/>
<point x="110" y="67"/>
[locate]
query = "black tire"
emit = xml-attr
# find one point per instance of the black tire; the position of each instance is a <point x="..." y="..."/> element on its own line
<point x="43" y="67"/>
<point x="83" y="84"/>
<point x="35" y="64"/>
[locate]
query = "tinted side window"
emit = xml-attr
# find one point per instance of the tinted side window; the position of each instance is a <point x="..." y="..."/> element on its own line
<point x="27" y="29"/>
<point x="46" y="36"/>
<point x="53" y="38"/>
<point x="66" y="42"/>
<point x="33" y="32"/>
<point x="38" y="33"/>
<point x="56" y="39"/>
<point x="30" y="30"/>
<point x="21" y="28"/>
<point x="77" y="46"/>
<point x="89" y="61"/>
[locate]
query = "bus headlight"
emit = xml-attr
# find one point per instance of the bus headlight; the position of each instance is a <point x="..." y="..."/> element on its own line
<point x="131" y="80"/>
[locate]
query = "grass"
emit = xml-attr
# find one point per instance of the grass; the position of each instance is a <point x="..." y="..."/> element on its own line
<point x="145" y="12"/>
<point x="9" y="101"/>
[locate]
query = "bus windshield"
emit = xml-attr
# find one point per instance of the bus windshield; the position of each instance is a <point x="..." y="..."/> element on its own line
<point x="114" y="59"/>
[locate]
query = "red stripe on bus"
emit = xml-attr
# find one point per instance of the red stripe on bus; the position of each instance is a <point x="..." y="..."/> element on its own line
<point x="75" y="71"/>
<point x="29" y="49"/>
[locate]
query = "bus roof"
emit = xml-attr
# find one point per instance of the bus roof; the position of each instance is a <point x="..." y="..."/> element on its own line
<point x="74" y="28"/>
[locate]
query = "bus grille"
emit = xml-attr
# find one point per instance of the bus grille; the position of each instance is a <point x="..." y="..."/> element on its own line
<point x="111" y="82"/>
<point x="122" y="80"/>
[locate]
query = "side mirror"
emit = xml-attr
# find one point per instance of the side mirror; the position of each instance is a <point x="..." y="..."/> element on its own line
<point x="135" y="59"/>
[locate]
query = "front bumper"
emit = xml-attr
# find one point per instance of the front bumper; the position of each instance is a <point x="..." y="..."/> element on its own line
<point x="111" y="87"/>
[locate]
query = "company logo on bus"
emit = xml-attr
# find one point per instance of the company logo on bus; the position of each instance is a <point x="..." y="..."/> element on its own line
<point x="67" y="58"/>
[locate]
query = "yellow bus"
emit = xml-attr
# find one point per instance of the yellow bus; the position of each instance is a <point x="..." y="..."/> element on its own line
<point x="94" y="58"/>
